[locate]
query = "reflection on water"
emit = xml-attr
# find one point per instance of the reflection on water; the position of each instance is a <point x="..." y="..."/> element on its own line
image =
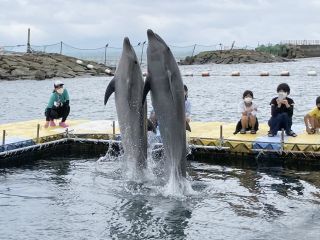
<point x="83" y="199"/>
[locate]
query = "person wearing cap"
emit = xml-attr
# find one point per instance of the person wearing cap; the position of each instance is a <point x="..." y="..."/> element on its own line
<point x="312" y="119"/>
<point x="58" y="106"/>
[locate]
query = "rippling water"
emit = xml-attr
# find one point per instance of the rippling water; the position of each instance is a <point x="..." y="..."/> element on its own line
<point x="86" y="199"/>
<point x="213" y="98"/>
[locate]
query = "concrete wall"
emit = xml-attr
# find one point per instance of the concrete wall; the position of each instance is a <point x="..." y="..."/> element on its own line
<point x="310" y="50"/>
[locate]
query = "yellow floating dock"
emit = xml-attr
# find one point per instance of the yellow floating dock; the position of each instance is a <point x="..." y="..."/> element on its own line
<point x="203" y="133"/>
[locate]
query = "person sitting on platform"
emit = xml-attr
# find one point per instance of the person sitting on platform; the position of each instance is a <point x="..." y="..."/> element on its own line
<point x="248" y="110"/>
<point x="187" y="104"/>
<point x="58" y="106"/>
<point x="281" y="112"/>
<point x="153" y="121"/>
<point x="312" y="119"/>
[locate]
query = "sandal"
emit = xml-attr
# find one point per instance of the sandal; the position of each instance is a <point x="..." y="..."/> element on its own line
<point x="270" y="134"/>
<point x="242" y="131"/>
<point x="311" y="131"/>
<point x="291" y="134"/>
<point x="253" y="131"/>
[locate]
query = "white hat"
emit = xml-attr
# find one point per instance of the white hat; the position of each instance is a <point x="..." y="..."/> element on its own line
<point x="58" y="83"/>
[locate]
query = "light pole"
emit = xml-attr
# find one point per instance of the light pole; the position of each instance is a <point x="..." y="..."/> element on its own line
<point x="142" y="52"/>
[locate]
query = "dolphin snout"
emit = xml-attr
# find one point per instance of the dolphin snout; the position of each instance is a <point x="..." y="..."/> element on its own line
<point x="126" y="42"/>
<point x="150" y="33"/>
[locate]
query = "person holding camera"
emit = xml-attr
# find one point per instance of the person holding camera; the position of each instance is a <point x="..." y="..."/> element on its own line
<point x="281" y="112"/>
<point x="58" y="106"/>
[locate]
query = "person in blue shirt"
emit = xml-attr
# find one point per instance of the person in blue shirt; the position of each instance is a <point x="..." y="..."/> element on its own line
<point x="58" y="106"/>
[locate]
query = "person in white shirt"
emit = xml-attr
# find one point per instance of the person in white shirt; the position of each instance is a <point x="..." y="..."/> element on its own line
<point x="248" y="110"/>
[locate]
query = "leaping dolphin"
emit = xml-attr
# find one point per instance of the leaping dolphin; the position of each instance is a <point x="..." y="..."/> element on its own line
<point x="167" y="95"/>
<point x="132" y="113"/>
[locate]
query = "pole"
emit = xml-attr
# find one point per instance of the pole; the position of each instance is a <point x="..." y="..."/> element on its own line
<point x="221" y="135"/>
<point x="282" y="140"/>
<point x="105" y="54"/>
<point x="194" y="48"/>
<point x="28" y="43"/>
<point x="3" y="137"/>
<point x="38" y="132"/>
<point x="114" y="129"/>
<point x="61" y="47"/>
<point x="142" y="52"/>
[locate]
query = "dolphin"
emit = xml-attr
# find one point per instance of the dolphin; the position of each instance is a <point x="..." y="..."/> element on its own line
<point x="127" y="85"/>
<point x="167" y="94"/>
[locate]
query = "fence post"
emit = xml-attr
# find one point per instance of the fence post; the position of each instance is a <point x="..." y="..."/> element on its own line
<point x="282" y="140"/>
<point x="38" y="132"/>
<point x="221" y="136"/>
<point x="28" y="43"/>
<point x="194" y="48"/>
<point x="105" y="54"/>
<point x="114" y="129"/>
<point x="3" y="137"/>
<point x="61" y="47"/>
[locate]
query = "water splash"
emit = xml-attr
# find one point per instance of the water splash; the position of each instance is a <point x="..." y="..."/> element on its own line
<point x="158" y="178"/>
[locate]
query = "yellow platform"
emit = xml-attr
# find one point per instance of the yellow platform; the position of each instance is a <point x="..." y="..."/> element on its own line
<point x="203" y="133"/>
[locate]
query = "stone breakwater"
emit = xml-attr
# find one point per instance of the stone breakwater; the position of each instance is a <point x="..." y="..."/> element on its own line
<point x="232" y="57"/>
<point x="43" y="66"/>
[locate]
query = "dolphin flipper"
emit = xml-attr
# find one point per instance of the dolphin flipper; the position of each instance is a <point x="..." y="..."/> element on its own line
<point x="110" y="89"/>
<point x="188" y="128"/>
<point x="146" y="89"/>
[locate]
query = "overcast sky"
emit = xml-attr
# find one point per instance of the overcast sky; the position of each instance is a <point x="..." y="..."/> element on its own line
<point x="93" y="23"/>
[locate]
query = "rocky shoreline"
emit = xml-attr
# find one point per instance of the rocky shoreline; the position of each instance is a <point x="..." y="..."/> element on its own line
<point x="42" y="66"/>
<point x="232" y="57"/>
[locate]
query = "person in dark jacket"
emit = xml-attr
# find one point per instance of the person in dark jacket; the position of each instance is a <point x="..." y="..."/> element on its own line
<point x="281" y="112"/>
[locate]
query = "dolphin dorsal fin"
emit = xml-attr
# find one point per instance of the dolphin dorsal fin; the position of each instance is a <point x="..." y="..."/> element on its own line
<point x="170" y="85"/>
<point x="146" y="89"/>
<point x="110" y="89"/>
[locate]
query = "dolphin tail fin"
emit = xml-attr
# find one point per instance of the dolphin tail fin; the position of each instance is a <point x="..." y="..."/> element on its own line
<point x="110" y="89"/>
<point x="146" y="89"/>
<point x="188" y="128"/>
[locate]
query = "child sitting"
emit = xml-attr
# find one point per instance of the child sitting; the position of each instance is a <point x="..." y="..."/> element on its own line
<point x="248" y="111"/>
<point x="312" y="119"/>
<point x="281" y="112"/>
